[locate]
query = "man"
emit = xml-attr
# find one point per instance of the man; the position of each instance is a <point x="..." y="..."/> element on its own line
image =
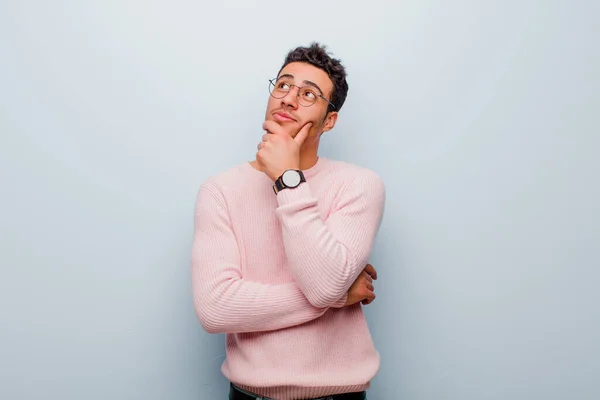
<point x="279" y="260"/>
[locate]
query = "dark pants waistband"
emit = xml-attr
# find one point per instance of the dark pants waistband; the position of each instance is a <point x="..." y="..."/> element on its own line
<point x="236" y="393"/>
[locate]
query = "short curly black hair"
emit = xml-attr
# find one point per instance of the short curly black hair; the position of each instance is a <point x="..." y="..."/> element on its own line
<point x="317" y="55"/>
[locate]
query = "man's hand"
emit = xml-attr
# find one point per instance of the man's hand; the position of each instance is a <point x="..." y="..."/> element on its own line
<point x="362" y="289"/>
<point x="278" y="151"/>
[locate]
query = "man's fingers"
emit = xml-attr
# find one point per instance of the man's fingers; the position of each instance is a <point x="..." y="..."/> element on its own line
<point x="265" y="139"/>
<point x="273" y="128"/>
<point x="369" y="299"/>
<point x="370" y="287"/>
<point x="303" y="134"/>
<point x="367" y="276"/>
<point x="369" y="269"/>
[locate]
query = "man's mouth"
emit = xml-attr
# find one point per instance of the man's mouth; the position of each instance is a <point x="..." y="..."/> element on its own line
<point x="283" y="117"/>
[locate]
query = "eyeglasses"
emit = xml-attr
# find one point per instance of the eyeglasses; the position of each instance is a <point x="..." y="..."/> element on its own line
<point x="307" y="95"/>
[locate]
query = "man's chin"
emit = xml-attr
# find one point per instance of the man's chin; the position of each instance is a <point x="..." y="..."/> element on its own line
<point x="291" y="127"/>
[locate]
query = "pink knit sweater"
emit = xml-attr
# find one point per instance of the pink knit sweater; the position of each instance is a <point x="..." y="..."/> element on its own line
<point x="272" y="272"/>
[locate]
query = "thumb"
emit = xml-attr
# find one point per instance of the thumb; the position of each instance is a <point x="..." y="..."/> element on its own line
<point x="303" y="134"/>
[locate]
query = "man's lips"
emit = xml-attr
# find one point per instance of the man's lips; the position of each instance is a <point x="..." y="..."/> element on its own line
<point x="283" y="117"/>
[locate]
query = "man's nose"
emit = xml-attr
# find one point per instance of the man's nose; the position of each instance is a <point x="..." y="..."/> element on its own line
<point x="291" y="98"/>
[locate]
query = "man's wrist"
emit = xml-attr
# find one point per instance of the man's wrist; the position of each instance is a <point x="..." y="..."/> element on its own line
<point x="289" y="179"/>
<point x="341" y="302"/>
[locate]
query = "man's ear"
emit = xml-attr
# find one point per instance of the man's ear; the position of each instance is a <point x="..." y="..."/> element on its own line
<point x="330" y="120"/>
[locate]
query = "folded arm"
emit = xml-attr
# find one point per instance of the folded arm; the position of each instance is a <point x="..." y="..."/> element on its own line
<point x="224" y="301"/>
<point x="327" y="256"/>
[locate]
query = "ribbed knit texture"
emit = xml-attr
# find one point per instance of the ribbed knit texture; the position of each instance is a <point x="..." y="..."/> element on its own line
<point x="272" y="272"/>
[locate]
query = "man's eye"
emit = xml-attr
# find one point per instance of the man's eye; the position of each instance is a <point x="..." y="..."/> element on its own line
<point x="283" y="86"/>
<point x="310" y="95"/>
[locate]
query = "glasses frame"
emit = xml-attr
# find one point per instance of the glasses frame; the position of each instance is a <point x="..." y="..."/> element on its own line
<point x="274" y="80"/>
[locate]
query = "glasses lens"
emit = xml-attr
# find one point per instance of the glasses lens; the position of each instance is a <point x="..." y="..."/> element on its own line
<point x="278" y="88"/>
<point x="307" y="97"/>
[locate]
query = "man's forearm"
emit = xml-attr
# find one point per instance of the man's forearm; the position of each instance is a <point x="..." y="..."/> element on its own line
<point x="224" y="301"/>
<point x="229" y="304"/>
<point x="327" y="256"/>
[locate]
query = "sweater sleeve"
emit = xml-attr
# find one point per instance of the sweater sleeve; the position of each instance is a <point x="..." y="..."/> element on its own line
<point x="327" y="256"/>
<point x="223" y="300"/>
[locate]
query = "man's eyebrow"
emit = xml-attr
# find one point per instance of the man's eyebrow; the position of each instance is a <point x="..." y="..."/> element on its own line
<point x="308" y="83"/>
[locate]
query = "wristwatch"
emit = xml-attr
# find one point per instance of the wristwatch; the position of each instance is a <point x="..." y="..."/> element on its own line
<point x="288" y="180"/>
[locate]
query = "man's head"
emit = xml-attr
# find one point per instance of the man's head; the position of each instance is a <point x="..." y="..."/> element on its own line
<point x="310" y="87"/>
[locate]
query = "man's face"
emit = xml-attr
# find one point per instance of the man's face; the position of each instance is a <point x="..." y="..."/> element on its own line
<point x="289" y="110"/>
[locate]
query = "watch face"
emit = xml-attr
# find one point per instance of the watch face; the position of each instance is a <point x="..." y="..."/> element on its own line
<point x="291" y="178"/>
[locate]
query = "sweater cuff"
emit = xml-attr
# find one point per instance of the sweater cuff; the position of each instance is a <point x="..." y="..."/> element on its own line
<point x="290" y="196"/>
<point x="341" y="302"/>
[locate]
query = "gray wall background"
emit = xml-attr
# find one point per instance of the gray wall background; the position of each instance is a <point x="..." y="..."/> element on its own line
<point x="480" y="116"/>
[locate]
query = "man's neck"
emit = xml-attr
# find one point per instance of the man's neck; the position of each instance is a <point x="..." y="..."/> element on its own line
<point x="308" y="159"/>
